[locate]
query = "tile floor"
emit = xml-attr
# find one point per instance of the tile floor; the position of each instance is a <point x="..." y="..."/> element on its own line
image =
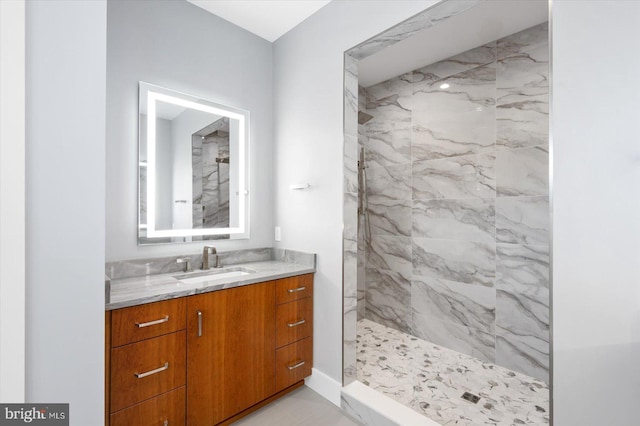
<point x="302" y="407"/>
<point x="432" y="379"/>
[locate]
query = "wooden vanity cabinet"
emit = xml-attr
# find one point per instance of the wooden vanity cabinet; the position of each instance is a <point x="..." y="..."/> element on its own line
<point x="213" y="357"/>
<point x="294" y="330"/>
<point x="231" y="353"/>
<point x="146" y="364"/>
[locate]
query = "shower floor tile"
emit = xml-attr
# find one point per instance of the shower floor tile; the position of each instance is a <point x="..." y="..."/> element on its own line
<point x="431" y="380"/>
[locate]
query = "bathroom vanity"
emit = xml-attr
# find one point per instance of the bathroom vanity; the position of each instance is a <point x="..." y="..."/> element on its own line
<point x="215" y="350"/>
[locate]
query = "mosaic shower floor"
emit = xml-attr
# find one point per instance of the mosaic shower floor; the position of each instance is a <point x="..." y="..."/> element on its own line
<point x="431" y="380"/>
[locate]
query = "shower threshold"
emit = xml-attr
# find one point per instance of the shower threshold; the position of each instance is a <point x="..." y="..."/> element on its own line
<point x="446" y="386"/>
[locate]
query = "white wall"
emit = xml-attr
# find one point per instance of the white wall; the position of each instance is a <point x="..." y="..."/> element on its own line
<point x="65" y="80"/>
<point x="177" y="45"/>
<point x="164" y="173"/>
<point x="308" y="85"/>
<point x="596" y="212"/>
<point x="12" y="201"/>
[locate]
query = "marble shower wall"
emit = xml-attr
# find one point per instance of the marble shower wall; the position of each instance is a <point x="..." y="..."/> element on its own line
<point x="456" y="246"/>
<point x="362" y="233"/>
<point x="211" y="178"/>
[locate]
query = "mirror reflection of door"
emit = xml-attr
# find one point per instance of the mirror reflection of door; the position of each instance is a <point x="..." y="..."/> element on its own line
<point x="210" y="165"/>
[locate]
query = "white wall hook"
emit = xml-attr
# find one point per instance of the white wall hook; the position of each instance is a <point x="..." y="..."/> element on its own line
<point x="299" y="186"/>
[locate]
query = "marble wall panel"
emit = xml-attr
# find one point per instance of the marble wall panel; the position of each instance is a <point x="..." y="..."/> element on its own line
<point x="522" y="171"/>
<point x="162" y="265"/>
<point x="293" y="256"/>
<point x="350" y="210"/>
<point x="388" y="137"/>
<point x="390" y="253"/>
<point x="388" y="217"/>
<point x="465" y="61"/>
<point x="439" y="12"/>
<point x="460" y="261"/>
<point x="522" y="306"/>
<point x="350" y="308"/>
<point x="522" y="121"/>
<point x="350" y="95"/>
<point x="350" y="224"/>
<point x="392" y="183"/>
<point x="389" y="298"/>
<point x="523" y="353"/>
<point x="396" y="91"/>
<point x="532" y="38"/>
<point x="523" y="310"/>
<point x="456" y="120"/>
<point x="351" y="163"/>
<point x="462" y="304"/>
<point x="467" y="220"/>
<point x="459" y="338"/>
<point x="361" y="284"/>
<point x="522" y="265"/>
<point x="523" y="89"/>
<point x="522" y="220"/>
<point x="467" y="176"/>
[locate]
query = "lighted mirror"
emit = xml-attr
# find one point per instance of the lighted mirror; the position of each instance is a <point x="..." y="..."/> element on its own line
<point x="193" y="168"/>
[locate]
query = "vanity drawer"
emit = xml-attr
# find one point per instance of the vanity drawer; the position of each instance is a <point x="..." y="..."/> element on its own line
<point x="294" y="288"/>
<point x="293" y="363"/>
<point x="145" y="369"/>
<point x="167" y="409"/>
<point x="137" y="323"/>
<point x="294" y="321"/>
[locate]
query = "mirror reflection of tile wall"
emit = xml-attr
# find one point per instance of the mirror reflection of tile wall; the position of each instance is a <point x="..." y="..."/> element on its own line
<point x="457" y="185"/>
<point x="210" y="166"/>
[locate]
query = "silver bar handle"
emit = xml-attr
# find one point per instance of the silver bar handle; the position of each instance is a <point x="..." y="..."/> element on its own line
<point x="293" y="324"/>
<point x="293" y="290"/>
<point x="294" y="366"/>
<point x="147" y="324"/>
<point x="149" y="373"/>
<point x="199" y="323"/>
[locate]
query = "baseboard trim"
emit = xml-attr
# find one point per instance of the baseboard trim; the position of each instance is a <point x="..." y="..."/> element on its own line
<point x="325" y="386"/>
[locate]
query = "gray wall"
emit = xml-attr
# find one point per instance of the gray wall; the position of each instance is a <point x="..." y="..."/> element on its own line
<point x="177" y="45"/>
<point x="66" y="63"/>
<point x="457" y="183"/>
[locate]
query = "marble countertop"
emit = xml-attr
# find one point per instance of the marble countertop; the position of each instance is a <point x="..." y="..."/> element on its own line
<point x="134" y="291"/>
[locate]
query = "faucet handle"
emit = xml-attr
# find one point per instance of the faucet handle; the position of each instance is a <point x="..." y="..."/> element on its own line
<point x="186" y="261"/>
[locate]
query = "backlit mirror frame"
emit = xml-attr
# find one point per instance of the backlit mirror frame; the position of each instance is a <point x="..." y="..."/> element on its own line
<point x="149" y="95"/>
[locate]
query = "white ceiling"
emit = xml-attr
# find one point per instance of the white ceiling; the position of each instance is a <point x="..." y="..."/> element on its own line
<point x="268" y="19"/>
<point x="489" y="20"/>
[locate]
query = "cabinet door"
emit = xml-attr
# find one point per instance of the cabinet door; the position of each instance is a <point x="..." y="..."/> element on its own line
<point x="230" y="352"/>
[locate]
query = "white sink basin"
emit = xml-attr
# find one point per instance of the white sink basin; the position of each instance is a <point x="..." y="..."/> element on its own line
<point x="213" y="275"/>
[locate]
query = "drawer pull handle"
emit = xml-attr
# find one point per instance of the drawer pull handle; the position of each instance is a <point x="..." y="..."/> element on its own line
<point x="293" y="324"/>
<point x="166" y="423"/>
<point x="147" y="324"/>
<point x="199" y="323"/>
<point x="294" y="290"/>
<point x="294" y="366"/>
<point x="149" y="373"/>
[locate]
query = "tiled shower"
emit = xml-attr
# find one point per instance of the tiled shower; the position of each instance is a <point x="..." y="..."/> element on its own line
<point x="453" y="243"/>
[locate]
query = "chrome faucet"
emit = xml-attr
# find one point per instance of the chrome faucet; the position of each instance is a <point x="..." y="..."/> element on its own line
<point x="205" y="257"/>
<point x="186" y="261"/>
